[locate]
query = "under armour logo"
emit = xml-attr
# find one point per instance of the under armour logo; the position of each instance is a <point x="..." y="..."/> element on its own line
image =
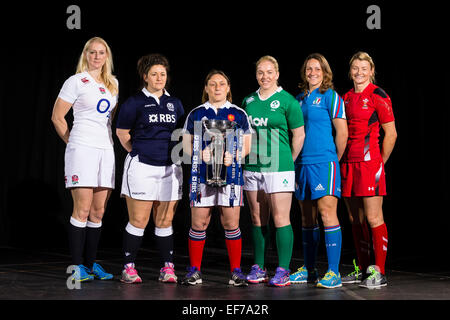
<point x="371" y="188"/>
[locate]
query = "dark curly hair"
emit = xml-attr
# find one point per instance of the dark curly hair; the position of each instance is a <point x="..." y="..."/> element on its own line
<point x="146" y="62"/>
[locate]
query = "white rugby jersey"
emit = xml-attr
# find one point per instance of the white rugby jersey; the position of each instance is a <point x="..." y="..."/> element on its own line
<point x="92" y="104"/>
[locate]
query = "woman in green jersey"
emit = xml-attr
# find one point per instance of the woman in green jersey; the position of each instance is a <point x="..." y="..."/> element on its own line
<point x="269" y="171"/>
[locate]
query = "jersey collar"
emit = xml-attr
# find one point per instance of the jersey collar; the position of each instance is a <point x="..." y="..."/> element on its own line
<point x="278" y="90"/>
<point x="148" y="94"/>
<point x="208" y="105"/>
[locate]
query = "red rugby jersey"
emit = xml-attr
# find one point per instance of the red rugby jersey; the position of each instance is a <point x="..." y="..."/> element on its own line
<point x="365" y="112"/>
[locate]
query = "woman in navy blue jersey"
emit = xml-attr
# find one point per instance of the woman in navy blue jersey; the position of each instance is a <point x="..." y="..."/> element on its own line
<point x="151" y="181"/>
<point x="228" y="198"/>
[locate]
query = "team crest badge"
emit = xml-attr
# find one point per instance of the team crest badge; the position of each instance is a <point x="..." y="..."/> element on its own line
<point x="74" y="179"/>
<point x="102" y="90"/>
<point x="170" y="106"/>
<point x="365" y="106"/>
<point x="85" y="80"/>
<point x="275" y="104"/>
<point x="317" y="101"/>
<point x="231" y="117"/>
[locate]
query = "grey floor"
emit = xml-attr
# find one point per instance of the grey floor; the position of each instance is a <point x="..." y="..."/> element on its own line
<point x="41" y="275"/>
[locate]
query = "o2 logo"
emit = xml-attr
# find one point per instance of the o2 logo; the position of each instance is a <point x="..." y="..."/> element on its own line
<point x="103" y="106"/>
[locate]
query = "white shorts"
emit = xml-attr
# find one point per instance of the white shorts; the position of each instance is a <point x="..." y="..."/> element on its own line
<point x="88" y="167"/>
<point x="142" y="181"/>
<point x="270" y="182"/>
<point x="219" y="196"/>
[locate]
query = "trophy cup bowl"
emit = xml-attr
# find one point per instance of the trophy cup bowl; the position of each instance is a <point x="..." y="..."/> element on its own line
<point x="216" y="175"/>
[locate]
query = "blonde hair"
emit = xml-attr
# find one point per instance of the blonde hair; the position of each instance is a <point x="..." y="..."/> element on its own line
<point x="106" y="74"/>
<point x="270" y="59"/>
<point x="327" y="81"/>
<point x="363" y="56"/>
<point x="205" y="96"/>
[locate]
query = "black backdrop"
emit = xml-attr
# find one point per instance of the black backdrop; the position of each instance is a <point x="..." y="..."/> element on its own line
<point x="39" y="52"/>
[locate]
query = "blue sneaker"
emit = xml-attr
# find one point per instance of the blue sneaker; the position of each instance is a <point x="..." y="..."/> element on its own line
<point x="238" y="278"/>
<point x="281" y="278"/>
<point x="99" y="273"/>
<point x="330" y="280"/>
<point x="81" y="273"/>
<point x="302" y="276"/>
<point x="257" y="275"/>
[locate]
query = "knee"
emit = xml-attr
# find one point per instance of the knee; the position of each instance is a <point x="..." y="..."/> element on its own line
<point x="375" y="220"/>
<point x="81" y="214"/>
<point x="139" y="222"/>
<point x="96" y="214"/>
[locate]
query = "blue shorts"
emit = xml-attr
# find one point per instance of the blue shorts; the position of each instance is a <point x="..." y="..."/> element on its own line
<point x="314" y="181"/>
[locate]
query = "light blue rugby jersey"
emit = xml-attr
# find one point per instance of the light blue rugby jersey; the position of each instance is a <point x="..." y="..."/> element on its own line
<point x="319" y="109"/>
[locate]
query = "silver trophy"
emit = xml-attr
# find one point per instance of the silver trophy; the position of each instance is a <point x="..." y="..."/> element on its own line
<point x="218" y="130"/>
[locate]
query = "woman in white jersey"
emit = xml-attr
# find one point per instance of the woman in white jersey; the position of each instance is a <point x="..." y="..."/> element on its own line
<point x="89" y="158"/>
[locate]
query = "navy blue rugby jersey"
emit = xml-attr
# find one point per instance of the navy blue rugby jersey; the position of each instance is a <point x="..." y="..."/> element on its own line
<point x="151" y="122"/>
<point x="229" y="112"/>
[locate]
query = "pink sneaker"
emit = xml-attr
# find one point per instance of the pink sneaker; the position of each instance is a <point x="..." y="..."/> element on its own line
<point x="130" y="275"/>
<point x="167" y="273"/>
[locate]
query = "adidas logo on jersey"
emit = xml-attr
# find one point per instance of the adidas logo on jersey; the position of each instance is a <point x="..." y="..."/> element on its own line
<point x="319" y="187"/>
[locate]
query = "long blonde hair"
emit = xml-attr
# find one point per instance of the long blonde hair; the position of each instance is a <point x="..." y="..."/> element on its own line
<point x="106" y="75"/>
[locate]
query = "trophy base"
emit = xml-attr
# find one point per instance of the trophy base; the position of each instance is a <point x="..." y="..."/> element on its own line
<point x="216" y="182"/>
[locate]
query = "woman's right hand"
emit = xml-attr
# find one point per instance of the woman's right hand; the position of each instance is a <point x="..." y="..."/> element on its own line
<point x="206" y="154"/>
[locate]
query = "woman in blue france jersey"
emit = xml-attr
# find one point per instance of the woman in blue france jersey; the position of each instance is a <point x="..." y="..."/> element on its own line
<point x="318" y="179"/>
<point x="89" y="163"/>
<point x="227" y="198"/>
<point x="151" y="180"/>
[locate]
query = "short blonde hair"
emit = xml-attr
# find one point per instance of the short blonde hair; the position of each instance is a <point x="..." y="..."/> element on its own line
<point x="106" y="75"/>
<point x="270" y="59"/>
<point x="363" y="56"/>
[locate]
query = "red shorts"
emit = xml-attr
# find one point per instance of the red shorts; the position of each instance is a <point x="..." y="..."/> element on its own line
<point x="363" y="179"/>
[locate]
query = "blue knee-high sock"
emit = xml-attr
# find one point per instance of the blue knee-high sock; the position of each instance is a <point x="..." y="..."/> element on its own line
<point x="333" y="242"/>
<point x="311" y="239"/>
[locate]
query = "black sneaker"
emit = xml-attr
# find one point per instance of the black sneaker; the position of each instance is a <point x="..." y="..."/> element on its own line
<point x="238" y="278"/>
<point x="193" y="277"/>
<point x="353" y="277"/>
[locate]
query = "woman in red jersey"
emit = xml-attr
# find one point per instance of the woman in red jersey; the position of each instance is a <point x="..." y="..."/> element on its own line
<point x="363" y="179"/>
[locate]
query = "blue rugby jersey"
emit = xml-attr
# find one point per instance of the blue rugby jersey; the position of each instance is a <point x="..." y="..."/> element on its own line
<point x="151" y="121"/>
<point x="229" y="112"/>
<point x="319" y="109"/>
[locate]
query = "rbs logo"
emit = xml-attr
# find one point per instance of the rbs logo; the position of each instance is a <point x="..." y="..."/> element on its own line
<point x="168" y="118"/>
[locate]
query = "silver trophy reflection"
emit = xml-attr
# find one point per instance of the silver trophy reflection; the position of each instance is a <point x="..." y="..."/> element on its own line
<point x="218" y="130"/>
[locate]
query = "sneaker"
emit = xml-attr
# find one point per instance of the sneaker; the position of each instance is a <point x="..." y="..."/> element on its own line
<point x="257" y="275"/>
<point x="130" y="275"/>
<point x="99" y="273"/>
<point x="302" y="276"/>
<point x="82" y="273"/>
<point x="167" y="273"/>
<point x="193" y="277"/>
<point x="353" y="277"/>
<point x="281" y="278"/>
<point x="238" y="278"/>
<point x="375" y="280"/>
<point x="330" y="280"/>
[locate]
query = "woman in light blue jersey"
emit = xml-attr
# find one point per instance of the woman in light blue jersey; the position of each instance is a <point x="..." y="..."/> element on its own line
<point x="318" y="180"/>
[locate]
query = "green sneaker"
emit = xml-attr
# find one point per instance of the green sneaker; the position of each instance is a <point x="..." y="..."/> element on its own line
<point x="353" y="277"/>
<point x="375" y="280"/>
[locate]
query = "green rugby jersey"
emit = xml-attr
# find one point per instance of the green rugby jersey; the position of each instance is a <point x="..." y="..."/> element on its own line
<point x="271" y="120"/>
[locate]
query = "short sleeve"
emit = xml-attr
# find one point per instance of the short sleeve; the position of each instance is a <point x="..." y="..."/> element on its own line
<point x="69" y="91"/>
<point x="188" y="127"/>
<point x="383" y="105"/>
<point x="294" y="115"/>
<point x="336" y="105"/>
<point x="127" y="114"/>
